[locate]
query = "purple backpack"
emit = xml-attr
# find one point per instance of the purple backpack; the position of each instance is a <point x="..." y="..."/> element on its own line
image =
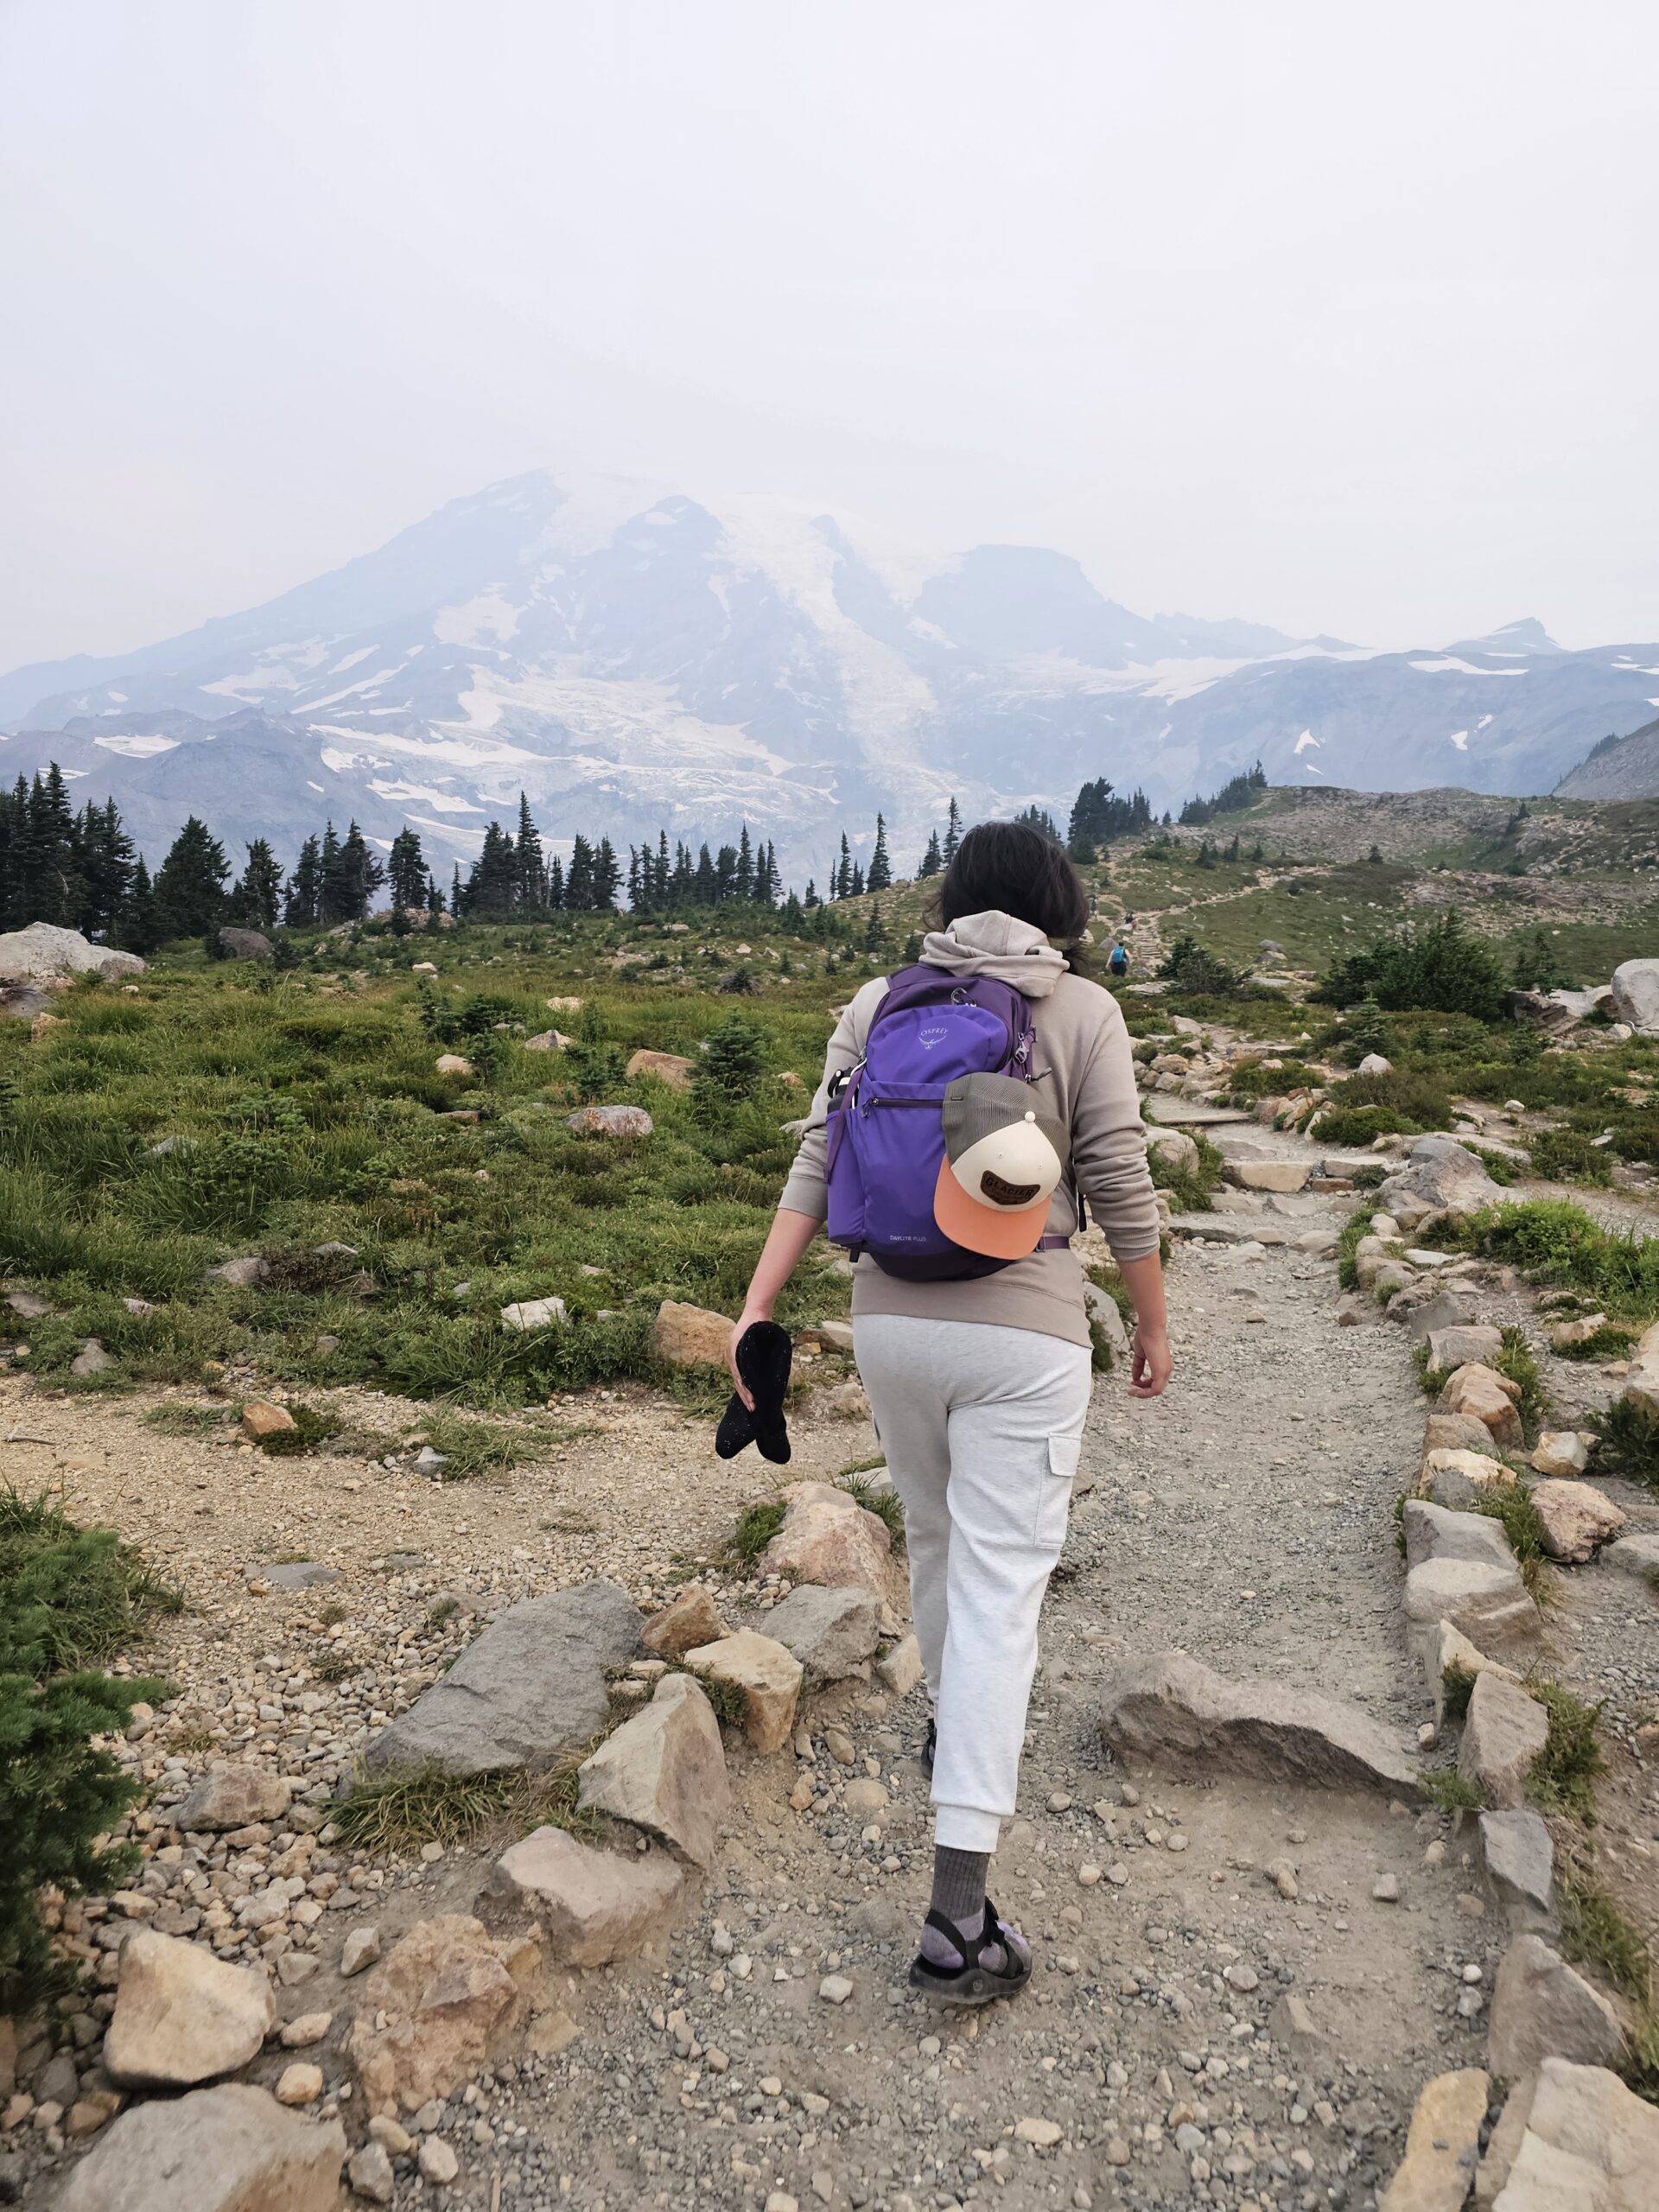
<point x="885" y="1134"/>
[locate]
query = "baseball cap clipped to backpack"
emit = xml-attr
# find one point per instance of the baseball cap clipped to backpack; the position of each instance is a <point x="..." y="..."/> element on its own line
<point x="1004" y="1154"/>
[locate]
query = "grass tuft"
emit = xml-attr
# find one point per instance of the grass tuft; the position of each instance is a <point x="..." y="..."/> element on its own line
<point x="886" y="1504"/>
<point x="1512" y="1504"/>
<point x="1457" y="1685"/>
<point x="1444" y="1787"/>
<point x="399" y="1812"/>
<point x="756" y="1526"/>
<point x="313" y="1425"/>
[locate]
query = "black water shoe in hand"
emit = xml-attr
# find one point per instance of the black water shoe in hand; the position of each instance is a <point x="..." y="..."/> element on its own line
<point x="763" y="1355"/>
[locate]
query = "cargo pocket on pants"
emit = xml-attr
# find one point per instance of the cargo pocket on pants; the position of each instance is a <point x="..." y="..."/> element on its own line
<point x="1054" y="1491"/>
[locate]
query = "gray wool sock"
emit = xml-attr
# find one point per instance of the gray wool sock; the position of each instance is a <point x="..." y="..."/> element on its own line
<point x="959" y="1879"/>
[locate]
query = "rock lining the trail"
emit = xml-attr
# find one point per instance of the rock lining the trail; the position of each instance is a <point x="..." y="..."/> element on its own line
<point x="1175" y="1713"/>
<point x="527" y="1691"/>
<point x="230" y="2149"/>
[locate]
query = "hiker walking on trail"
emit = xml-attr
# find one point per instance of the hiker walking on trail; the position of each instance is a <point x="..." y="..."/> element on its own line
<point x="970" y="1106"/>
<point x="1118" y="961"/>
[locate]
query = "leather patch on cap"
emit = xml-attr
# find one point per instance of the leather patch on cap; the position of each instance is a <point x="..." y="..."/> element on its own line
<point x="1007" y="1194"/>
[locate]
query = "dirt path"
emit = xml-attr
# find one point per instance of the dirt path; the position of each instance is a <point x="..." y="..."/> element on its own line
<point x="1193" y="2034"/>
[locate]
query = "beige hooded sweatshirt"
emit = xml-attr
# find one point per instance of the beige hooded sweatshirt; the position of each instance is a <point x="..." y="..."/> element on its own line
<point x="1083" y="1065"/>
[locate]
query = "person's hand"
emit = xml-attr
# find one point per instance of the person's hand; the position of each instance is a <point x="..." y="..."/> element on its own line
<point x="1150" y="1361"/>
<point x="745" y="1321"/>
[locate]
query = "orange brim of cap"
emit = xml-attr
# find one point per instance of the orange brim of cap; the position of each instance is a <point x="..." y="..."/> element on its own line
<point x="1000" y="1233"/>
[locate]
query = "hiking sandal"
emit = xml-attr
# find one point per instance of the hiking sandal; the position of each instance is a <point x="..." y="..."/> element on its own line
<point x="972" y="1982"/>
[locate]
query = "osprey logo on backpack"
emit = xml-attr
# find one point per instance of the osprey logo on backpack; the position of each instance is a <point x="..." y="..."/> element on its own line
<point x="885" y="1134"/>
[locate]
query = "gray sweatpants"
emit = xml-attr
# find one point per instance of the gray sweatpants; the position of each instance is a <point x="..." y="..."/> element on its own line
<point x="981" y="1426"/>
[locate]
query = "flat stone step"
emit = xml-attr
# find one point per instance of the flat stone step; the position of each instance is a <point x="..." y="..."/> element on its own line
<point x="1164" y="1106"/>
<point x="1226" y="1228"/>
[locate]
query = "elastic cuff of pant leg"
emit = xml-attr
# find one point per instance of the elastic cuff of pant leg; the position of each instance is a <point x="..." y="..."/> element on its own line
<point x="964" y="1827"/>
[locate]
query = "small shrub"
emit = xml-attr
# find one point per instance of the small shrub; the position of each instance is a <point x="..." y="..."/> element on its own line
<point x="1199" y="974"/>
<point x="1630" y="1442"/>
<point x="1565" y="1156"/>
<point x="68" y="1596"/>
<point x="1613" y="1341"/>
<point x="313" y="1425"/>
<point x="732" y="1064"/>
<point x="730" y="1699"/>
<point x="1437" y="966"/>
<point x="1564" y="1775"/>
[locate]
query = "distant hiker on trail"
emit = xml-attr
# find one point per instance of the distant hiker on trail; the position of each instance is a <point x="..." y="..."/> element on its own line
<point x="1118" y="961"/>
<point x="969" y="1105"/>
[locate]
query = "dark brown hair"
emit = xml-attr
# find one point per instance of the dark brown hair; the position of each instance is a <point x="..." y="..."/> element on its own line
<point x="1016" y="869"/>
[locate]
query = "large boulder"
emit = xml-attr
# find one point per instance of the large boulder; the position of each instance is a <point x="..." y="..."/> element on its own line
<point x="827" y="1538"/>
<point x="1635" y="989"/>
<point x="243" y="945"/>
<point x="832" y="1632"/>
<point x="445" y="2002"/>
<point x="1177" y="1714"/>
<point x="43" y="951"/>
<point x="1590" y="2144"/>
<point x="1439" y="1173"/>
<point x="665" y="1067"/>
<point x="1442" y="2145"/>
<point x="1480" y="1390"/>
<point x="233" y="1797"/>
<point x="1489" y="1604"/>
<point x="592" y="1906"/>
<point x="690" y="1335"/>
<point x="531" y="1690"/>
<point x="1541" y="2009"/>
<point x="231" y="2149"/>
<point x="1578" y="1519"/>
<point x="1520" y="1861"/>
<point x="1432" y="1532"/>
<point x="181" y="2016"/>
<point x="1504" y="1733"/>
<point x="769" y="1676"/>
<point x="664" y="1770"/>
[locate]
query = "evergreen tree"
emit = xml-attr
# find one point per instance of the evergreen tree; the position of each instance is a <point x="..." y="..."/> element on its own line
<point x="743" y="867"/>
<point x="190" y="888"/>
<point x="856" y="890"/>
<point x="256" y="900"/>
<point x="556" y="884"/>
<point x="531" y="891"/>
<point x="457" y="897"/>
<point x="703" y="882"/>
<point x="406" y="869"/>
<point x="879" y="877"/>
<point x="492" y="883"/>
<point x="931" y="861"/>
<point x="726" y="873"/>
<point x="139" y="931"/>
<point x="952" y="834"/>
<point x="607" y="876"/>
<point x="579" y="879"/>
<point x="357" y="875"/>
<point x="330" y="890"/>
<point x="302" y="907"/>
<point x="811" y="897"/>
<point x="843" y="885"/>
<point x="106" y="861"/>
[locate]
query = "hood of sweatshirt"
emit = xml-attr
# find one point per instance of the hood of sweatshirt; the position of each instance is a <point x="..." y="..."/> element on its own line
<point x="996" y="945"/>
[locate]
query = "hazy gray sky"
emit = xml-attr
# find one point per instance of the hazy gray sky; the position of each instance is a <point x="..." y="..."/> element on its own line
<point x="1341" y="318"/>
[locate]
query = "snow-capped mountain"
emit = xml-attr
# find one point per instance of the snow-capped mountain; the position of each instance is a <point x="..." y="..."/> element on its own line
<point x="642" y="663"/>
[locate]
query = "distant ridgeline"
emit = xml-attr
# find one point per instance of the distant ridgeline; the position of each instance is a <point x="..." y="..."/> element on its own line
<point x="81" y="870"/>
